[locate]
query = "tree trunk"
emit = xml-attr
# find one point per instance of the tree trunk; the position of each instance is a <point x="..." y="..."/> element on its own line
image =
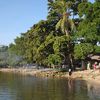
<point x="71" y="61"/>
<point x="70" y="57"/>
<point x="83" y="65"/>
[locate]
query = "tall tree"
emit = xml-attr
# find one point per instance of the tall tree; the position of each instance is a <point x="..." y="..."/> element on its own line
<point x="89" y="30"/>
<point x="65" y="23"/>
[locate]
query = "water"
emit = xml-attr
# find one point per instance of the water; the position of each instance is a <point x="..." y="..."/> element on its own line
<point x="17" y="87"/>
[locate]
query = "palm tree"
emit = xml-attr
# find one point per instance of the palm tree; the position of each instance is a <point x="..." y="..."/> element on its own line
<point x="65" y="23"/>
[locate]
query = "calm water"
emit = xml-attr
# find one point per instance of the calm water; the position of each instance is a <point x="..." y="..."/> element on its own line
<point x="17" y="87"/>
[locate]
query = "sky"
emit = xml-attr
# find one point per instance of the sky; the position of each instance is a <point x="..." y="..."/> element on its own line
<point x="17" y="16"/>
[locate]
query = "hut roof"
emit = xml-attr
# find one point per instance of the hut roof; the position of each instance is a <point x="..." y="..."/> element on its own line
<point x="95" y="57"/>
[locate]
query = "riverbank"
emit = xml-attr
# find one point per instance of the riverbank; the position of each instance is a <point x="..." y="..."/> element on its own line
<point x="88" y="75"/>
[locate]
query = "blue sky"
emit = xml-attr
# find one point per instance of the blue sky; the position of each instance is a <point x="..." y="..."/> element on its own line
<point x="17" y="16"/>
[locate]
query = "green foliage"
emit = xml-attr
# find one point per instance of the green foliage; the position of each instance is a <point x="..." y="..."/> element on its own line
<point x="52" y="41"/>
<point x="3" y="55"/>
<point x="82" y="50"/>
<point x="13" y="60"/>
<point x="85" y="8"/>
<point x="53" y="59"/>
<point x="97" y="49"/>
<point x="58" y="42"/>
<point x="88" y="30"/>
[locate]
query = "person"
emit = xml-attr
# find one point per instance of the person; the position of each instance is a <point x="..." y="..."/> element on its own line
<point x="70" y="71"/>
<point x="88" y="66"/>
<point x="95" y="65"/>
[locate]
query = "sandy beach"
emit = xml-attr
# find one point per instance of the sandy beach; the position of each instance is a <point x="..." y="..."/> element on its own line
<point x="88" y="75"/>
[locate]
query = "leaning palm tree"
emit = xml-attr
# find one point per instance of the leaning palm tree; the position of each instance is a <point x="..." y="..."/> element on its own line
<point x="65" y="23"/>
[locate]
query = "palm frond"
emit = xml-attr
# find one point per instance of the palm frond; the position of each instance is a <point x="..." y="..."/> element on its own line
<point x="72" y="25"/>
<point x="58" y="24"/>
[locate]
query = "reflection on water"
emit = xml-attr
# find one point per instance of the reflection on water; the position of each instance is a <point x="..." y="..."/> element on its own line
<point x="17" y="87"/>
<point x="93" y="91"/>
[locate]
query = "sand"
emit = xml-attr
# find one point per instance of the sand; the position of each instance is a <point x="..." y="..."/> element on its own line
<point x="92" y="76"/>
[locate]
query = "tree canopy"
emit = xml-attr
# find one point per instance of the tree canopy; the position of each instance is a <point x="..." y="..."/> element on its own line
<point x="71" y="31"/>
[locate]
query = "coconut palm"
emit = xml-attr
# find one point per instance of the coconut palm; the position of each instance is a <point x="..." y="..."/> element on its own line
<point x="65" y="23"/>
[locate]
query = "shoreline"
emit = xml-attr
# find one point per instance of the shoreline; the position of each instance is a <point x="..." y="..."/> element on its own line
<point x="87" y="75"/>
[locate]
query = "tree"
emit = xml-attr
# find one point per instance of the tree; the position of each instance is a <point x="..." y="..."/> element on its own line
<point x="65" y="23"/>
<point x="3" y="56"/>
<point x="17" y="51"/>
<point x="88" y="31"/>
<point x="54" y="41"/>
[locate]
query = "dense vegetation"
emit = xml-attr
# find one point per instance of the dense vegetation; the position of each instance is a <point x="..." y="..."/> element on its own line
<point x="71" y="32"/>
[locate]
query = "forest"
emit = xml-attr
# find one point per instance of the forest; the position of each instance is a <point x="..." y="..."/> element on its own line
<point x="69" y="35"/>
